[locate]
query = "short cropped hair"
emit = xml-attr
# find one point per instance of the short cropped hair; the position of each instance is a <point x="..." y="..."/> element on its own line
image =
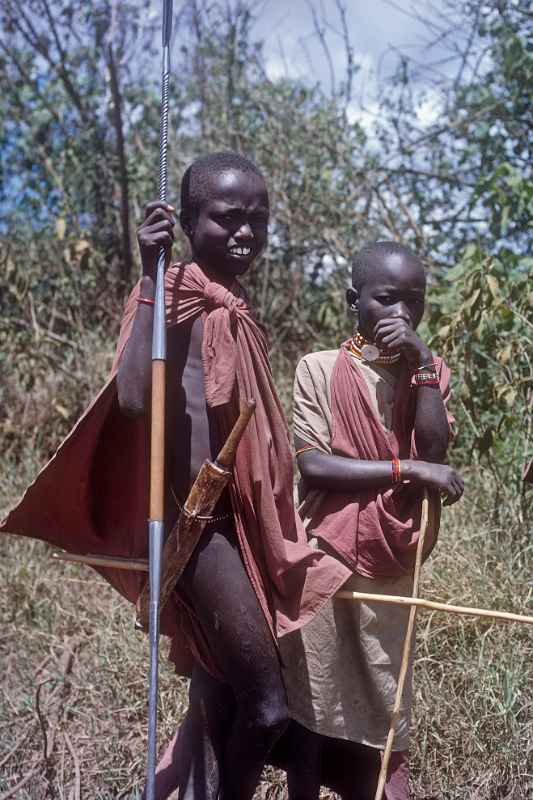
<point x="371" y="254"/>
<point x="195" y="182"/>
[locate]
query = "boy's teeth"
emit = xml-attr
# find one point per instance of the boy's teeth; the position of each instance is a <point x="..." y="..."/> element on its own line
<point x="240" y="251"/>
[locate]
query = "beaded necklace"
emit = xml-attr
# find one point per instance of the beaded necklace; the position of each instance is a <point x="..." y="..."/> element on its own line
<point x="365" y="351"/>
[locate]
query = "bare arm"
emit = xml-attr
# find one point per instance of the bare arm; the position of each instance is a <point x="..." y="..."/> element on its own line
<point x="431" y="427"/>
<point x="134" y="372"/>
<point x="432" y="431"/>
<point x="340" y="474"/>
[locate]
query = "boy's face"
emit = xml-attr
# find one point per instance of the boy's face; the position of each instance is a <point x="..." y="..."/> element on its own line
<point x="231" y="229"/>
<point x="395" y="288"/>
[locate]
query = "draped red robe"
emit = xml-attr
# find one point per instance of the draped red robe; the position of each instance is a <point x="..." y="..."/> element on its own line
<point x="92" y="496"/>
<point x="375" y="531"/>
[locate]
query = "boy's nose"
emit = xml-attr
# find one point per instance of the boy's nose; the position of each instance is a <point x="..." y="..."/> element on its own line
<point x="244" y="232"/>
<point x="401" y="312"/>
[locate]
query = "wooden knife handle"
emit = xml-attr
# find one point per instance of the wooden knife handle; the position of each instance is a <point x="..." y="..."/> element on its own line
<point x="226" y="457"/>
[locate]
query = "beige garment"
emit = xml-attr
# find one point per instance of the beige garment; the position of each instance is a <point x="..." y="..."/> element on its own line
<point x="341" y="669"/>
<point x="312" y="410"/>
<point x="312" y="395"/>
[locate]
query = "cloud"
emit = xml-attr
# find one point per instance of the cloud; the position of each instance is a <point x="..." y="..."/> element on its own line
<point x="430" y="108"/>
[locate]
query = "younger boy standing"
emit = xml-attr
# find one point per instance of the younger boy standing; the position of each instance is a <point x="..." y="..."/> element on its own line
<point x="371" y="431"/>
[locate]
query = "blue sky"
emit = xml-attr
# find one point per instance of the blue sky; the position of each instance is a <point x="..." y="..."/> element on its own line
<point x="373" y="27"/>
<point x="292" y="46"/>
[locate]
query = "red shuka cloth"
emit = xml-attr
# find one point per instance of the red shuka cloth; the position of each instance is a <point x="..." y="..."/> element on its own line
<point x="92" y="496"/>
<point x="374" y="531"/>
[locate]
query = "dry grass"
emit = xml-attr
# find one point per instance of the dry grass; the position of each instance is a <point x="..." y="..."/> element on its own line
<point x="73" y="686"/>
<point x="473" y="727"/>
<point x="73" y="691"/>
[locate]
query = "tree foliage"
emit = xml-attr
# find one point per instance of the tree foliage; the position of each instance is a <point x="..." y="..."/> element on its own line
<point x="467" y="175"/>
<point x="464" y="181"/>
<point x="79" y="118"/>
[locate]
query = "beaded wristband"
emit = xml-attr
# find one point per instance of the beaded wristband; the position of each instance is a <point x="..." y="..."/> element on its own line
<point x="146" y="300"/>
<point x="426" y="378"/>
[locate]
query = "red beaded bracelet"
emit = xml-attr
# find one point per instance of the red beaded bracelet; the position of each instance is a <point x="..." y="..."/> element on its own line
<point x="303" y="449"/>
<point x="396" y="470"/>
<point x="146" y="300"/>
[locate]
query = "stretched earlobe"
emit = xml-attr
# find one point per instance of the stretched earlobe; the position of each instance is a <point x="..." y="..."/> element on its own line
<point x="352" y="298"/>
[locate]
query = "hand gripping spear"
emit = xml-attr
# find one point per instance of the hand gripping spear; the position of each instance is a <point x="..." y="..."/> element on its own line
<point x="157" y="449"/>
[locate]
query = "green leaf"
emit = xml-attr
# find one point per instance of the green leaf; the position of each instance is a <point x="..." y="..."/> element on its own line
<point x="504" y="224"/>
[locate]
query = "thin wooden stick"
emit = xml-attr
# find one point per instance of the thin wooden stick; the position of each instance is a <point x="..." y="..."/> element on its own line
<point x="433" y="605"/>
<point x="406" y="652"/>
<point x="226" y="457"/>
<point x="157" y="447"/>
<point x="141" y="565"/>
<point x="113" y="562"/>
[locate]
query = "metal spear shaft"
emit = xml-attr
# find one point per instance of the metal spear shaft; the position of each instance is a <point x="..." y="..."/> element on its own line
<point x="157" y="448"/>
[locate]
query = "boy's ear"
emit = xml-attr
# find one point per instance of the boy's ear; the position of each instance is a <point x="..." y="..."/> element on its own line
<point x="352" y="298"/>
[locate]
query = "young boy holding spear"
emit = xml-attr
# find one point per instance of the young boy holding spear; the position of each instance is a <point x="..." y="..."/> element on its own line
<point x="253" y="577"/>
<point x="371" y="431"/>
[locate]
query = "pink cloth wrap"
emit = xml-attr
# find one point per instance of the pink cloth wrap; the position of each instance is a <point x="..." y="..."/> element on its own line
<point x="92" y="496"/>
<point x="375" y="532"/>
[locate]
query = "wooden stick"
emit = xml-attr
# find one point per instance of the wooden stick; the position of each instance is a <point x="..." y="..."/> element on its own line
<point x="157" y="447"/>
<point x="226" y="456"/>
<point x="433" y="605"/>
<point x="141" y="565"/>
<point x="406" y="652"/>
<point x="113" y="562"/>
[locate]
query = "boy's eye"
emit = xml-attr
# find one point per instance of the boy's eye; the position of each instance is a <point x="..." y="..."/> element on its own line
<point x="234" y="218"/>
<point x="384" y="298"/>
<point x="231" y="215"/>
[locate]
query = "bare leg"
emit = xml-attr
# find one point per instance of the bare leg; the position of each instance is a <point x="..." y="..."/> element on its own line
<point x="217" y="586"/>
<point x="191" y="761"/>
<point x="365" y="765"/>
<point x="304" y="767"/>
<point x="167" y="771"/>
<point x="209" y="721"/>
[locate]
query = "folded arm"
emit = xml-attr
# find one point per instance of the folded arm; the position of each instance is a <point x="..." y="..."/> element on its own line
<point x="340" y="474"/>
